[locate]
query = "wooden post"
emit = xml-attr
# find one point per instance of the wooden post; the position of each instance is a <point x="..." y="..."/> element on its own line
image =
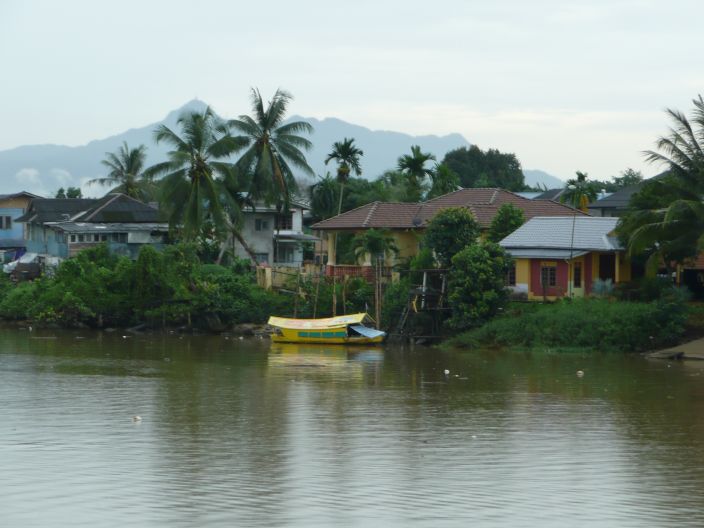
<point x="617" y="270"/>
<point x="377" y="294"/>
<point x="344" y="294"/>
<point x="425" y="285"/>
<point x="298" y="293"/>
<point x="317" y="292"/>
<point x="334" y="295"/>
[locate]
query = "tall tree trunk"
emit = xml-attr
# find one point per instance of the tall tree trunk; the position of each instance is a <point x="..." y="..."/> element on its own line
<point x="342" y="190"/>
<point x="238" y="236"/>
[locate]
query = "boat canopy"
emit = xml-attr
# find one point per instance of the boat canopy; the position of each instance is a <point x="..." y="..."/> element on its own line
<point x="367" y="332"/>
<point x="341" y="321"/>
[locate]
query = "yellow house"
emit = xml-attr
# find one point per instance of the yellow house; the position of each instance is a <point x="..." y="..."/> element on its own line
<point x="562" y="256"/>
<point x="407" y="221"/>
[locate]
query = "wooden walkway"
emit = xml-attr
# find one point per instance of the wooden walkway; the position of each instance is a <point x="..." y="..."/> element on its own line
<point x="691" y="350"/>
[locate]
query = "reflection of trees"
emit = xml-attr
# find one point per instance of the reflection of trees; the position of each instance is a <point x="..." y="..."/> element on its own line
<point x="238" y="430"/>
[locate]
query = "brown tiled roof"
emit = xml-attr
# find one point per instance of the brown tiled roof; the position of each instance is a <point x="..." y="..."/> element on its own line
<point x="483" y="203"/>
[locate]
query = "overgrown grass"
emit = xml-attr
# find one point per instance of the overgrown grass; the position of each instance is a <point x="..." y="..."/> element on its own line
<point x="595" y="324"/>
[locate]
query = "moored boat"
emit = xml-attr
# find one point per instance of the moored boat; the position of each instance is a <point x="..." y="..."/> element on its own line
<point x="343" y="329"/>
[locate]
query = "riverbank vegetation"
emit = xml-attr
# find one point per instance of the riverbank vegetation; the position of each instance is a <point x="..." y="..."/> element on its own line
<point x="169" y="288"/>
<point x="589" y="324"/>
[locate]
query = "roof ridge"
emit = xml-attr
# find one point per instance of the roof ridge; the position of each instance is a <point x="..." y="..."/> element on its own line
<point x="446" y="194"/>
<point x="115" y="196"/>
<point x="365" y="222"/>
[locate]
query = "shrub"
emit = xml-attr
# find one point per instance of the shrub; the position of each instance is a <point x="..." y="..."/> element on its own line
<point x="508" y="218"/>
<point x="450" y="231"/>
<point x="476" y="287"/>
<point x="602" y="288"/>
<point x="19" y="301"/>
<point x="645" y="289"/>
<point x="394" y="301"/>
<point x="589" y="323"/>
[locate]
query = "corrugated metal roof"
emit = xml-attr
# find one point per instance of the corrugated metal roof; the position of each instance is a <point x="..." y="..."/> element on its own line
<point x="115" y="227"/>
<point x="545" y="253"/>
<point x="588" y="233"/>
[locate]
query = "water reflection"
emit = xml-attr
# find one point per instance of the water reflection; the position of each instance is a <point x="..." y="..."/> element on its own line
<point x="249" y="433"/>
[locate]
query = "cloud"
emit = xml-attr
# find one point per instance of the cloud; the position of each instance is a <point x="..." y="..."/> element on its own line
<point x="61" y="177"/>
<point x="31" y="180"/>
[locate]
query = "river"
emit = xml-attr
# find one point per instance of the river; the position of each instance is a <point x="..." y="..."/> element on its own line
<point x="245" y="433"/>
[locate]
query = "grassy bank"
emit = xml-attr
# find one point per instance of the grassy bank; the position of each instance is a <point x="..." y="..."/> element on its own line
<point x="594" y="324"/>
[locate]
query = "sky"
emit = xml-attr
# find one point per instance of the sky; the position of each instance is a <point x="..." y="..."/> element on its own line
<point x="565" y="85"/>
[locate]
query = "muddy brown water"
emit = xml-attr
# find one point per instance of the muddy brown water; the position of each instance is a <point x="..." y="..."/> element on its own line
<point x="245" y="433"/>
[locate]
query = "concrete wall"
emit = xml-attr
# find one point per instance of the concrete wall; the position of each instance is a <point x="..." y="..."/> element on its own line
<point x="14" y="207"/>
<point x="528" y="274"/>
<point x="17" y="229"/>
<point x="46" y="242"/>
<point x="262" y="241"/>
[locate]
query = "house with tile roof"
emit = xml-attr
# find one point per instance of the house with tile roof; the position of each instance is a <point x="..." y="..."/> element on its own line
<point x="562" y="256"/>
<point x="407" y="221"/>
<point x="61" y="227"/>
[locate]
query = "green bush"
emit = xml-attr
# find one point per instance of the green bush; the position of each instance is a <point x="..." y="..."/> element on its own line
<point x="450" y="231"/>
<point x="646" y="289"/>
<point x="394" y="301"/>
<point x="587" y="323"/>
<point x="476" y="286"/>
<point x="18" y="302"/>
<point x="171" y="287"/>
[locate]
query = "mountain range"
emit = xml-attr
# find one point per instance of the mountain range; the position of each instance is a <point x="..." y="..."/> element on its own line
<point x="42" y="169"/>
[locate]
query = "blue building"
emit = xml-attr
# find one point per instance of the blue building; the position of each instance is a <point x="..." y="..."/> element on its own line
<point x="61" y="227"/>
<point x="12" y="232"/>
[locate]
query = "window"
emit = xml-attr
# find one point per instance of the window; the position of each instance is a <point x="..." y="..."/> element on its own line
<point x="284" y="222"/>
<point x="260" y="224"/>
<point x="261" y="258"/>
<point x="548" y="276"/>
<point x="577" y="275"/>
<point x="80" y="238"/>
<point x="5" y="222"/>
<point x="73" y="238"/>
<point x="511" y="276"/>
<point x="285" y="254"/>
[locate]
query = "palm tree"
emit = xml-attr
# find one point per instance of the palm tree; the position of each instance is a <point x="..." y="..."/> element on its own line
<point x="271" y="149"/>
<point x="677" y="229"/>
<point x="444" y="181"/>
<point x="413" y="167"/>
<point x="347" y="155"/>
<point x="579" y="192"/>
<point x="193" y="189"/>
<point x="127" y="173"/>
<point x="374" y="242"/>
<point x="323" y="198"/>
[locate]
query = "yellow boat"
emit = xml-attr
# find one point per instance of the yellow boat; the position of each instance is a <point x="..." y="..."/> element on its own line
<point x="343" y="329"/>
